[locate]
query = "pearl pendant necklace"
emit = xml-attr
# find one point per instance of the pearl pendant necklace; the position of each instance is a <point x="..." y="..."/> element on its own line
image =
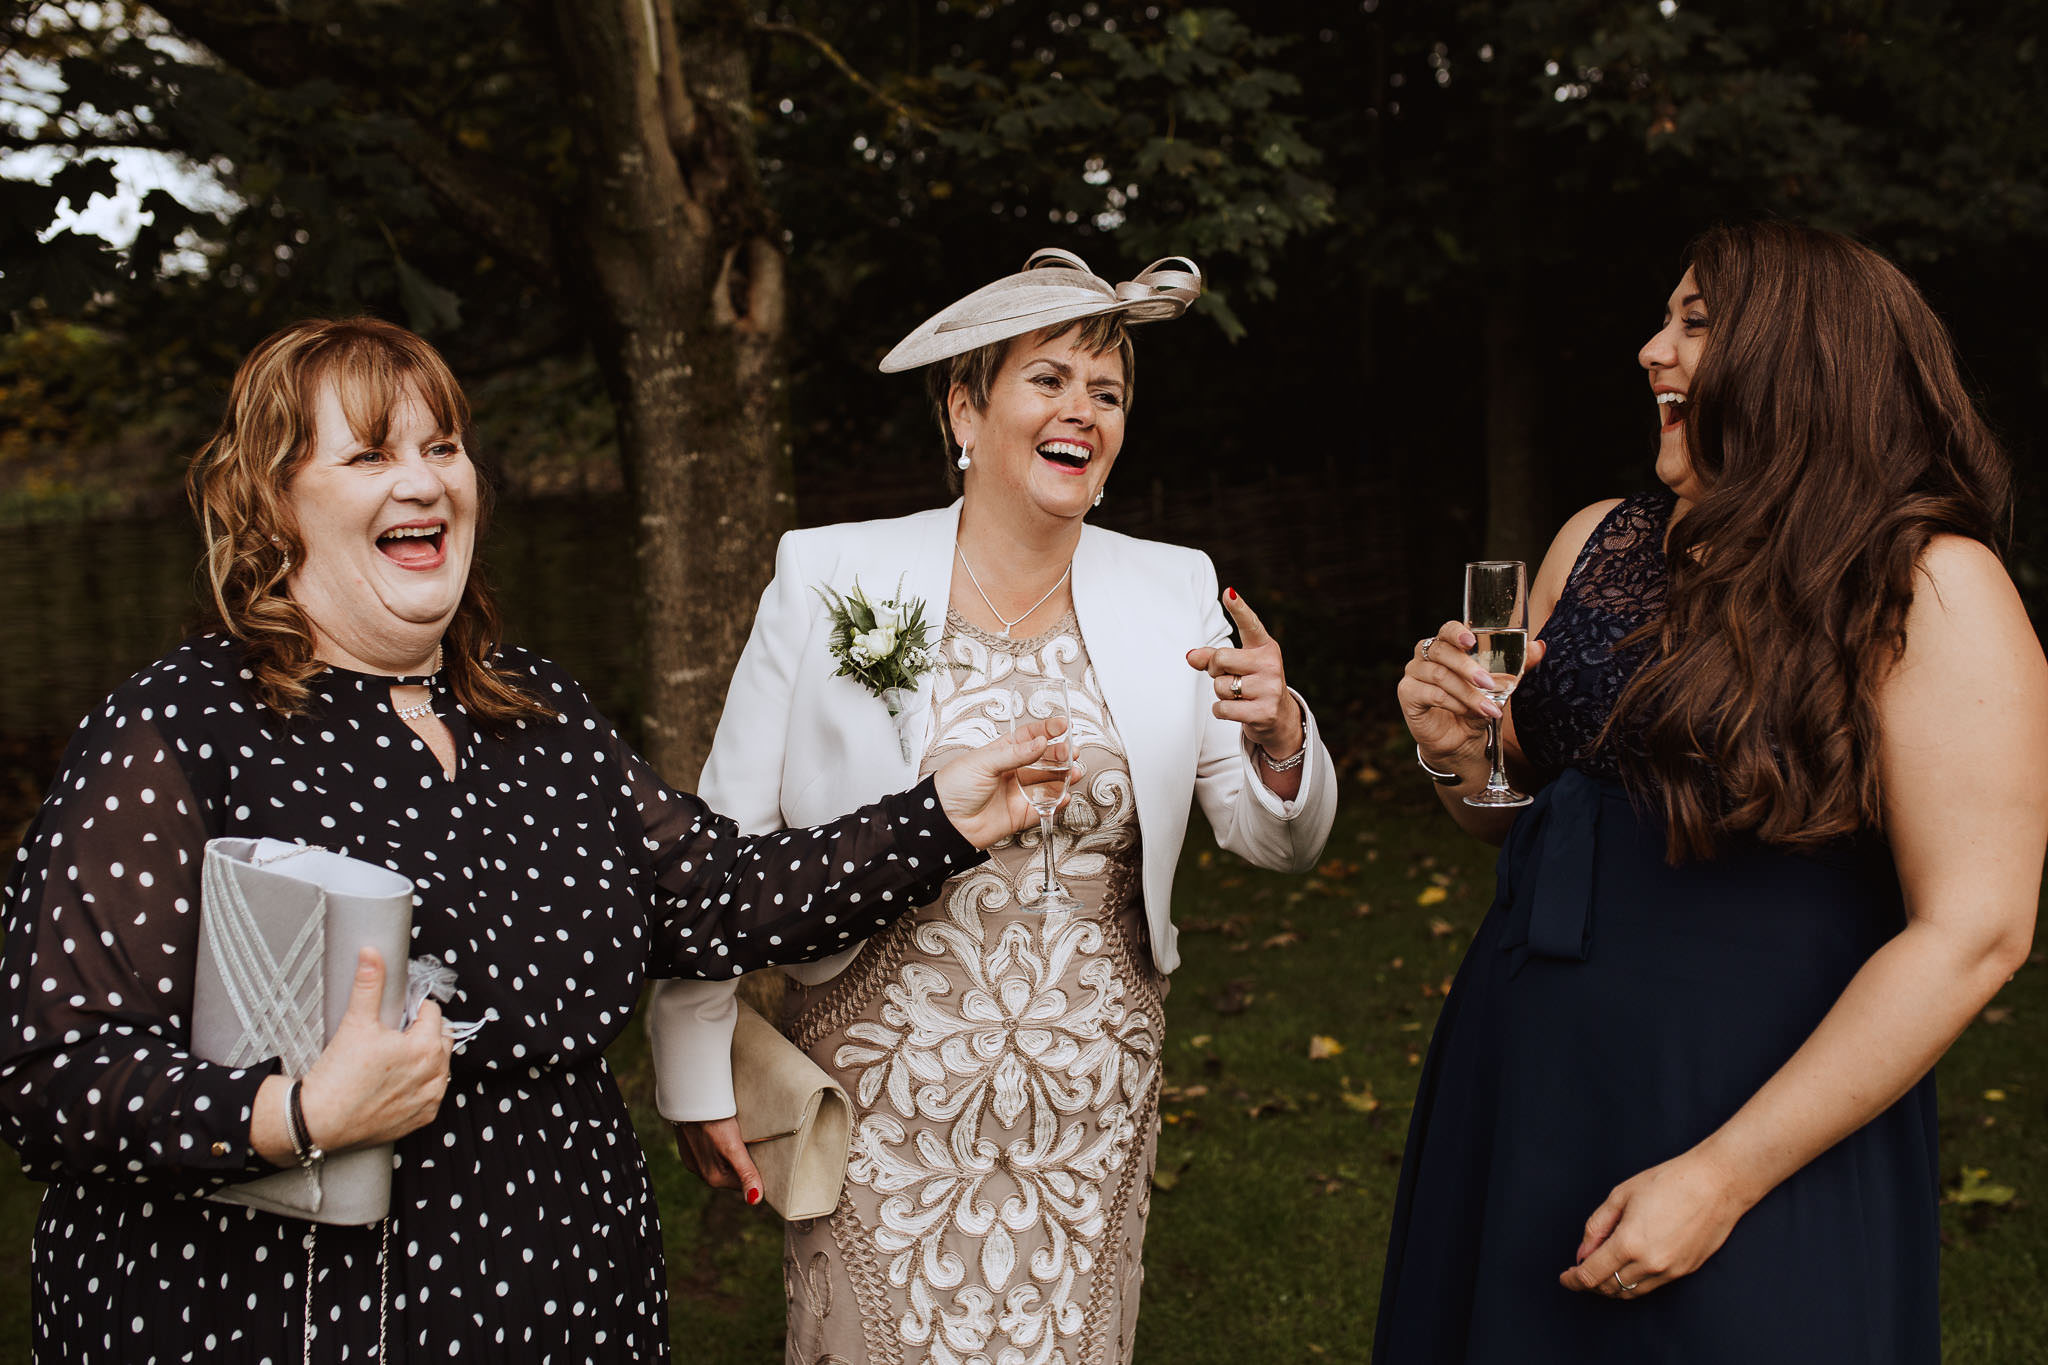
<point x="1008" y="624"/>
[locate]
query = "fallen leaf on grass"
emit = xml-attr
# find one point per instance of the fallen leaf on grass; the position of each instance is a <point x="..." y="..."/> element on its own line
<point x="1364" y="1101"/>
<point x="1286" y="940"/>
<point x="1336" y="869"/>
<point x="1975" y="1187"/>
<point x="1322" y="1047"/>
<point x="1995" y="1096"/>
<point x="1232" y="927"/>
<point x="1439" y="927"/>
<point x="1362" y="909"/>
<point x="1199" y="1040"/>
<point x="1432" y="895"/>
<point x="1440" y="878"/>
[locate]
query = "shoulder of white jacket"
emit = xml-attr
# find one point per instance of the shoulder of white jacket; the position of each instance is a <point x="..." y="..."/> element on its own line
<point x="1155" y="555"/>
<point x="841" y="536"/>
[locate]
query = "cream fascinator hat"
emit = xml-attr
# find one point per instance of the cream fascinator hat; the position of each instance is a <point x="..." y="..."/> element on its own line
<point x="1054" y="287"/>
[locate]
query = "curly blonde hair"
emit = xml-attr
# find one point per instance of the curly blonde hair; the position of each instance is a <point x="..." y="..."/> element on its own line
<point x="238" y="484"/>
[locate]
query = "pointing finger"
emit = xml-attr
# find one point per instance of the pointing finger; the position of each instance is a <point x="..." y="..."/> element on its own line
<point x="1251" y="631"/>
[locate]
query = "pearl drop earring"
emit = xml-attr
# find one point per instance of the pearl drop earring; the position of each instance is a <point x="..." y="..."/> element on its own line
<point x="966" y="459"/>
<point x="1098" y="499"/>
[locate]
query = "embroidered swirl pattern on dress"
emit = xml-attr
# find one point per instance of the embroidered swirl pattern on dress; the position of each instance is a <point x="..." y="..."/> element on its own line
<point x="1004" y="1070"/>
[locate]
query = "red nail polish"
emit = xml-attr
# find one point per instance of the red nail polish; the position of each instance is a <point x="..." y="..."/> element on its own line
<point x="1231" y="593"/>
<point x="753" y="1194"/>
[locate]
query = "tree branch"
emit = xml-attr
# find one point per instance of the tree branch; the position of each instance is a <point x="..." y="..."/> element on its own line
<point x="83" y="142"/>
<point x="679" y="111"/>
<point x="832" y="55"/>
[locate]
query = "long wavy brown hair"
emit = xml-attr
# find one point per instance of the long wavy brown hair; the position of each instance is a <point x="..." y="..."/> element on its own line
<point x="238" y="481"/>
<point x="1834" y="436"/>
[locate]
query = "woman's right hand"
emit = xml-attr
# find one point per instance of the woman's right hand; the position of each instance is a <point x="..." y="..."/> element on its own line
<point x="717" y="1154"/>
<point x="372" y="1083"/>
<point x="1441" y="696"/>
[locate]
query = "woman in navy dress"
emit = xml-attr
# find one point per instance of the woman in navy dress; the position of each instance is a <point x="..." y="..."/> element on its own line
<point x="1788" y="722"/>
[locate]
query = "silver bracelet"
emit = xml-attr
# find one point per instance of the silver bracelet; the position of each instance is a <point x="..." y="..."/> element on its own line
<point x="1286" y="765"/>
<point x="1441" y="779"/>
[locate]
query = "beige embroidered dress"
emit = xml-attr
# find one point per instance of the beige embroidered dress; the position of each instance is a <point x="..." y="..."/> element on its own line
<point x="1004" y="1070"/>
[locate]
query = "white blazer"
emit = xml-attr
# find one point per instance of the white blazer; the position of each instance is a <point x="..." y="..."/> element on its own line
<point x="799" y="746"/>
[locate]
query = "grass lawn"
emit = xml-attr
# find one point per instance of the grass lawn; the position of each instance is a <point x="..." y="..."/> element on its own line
<point x="1277" y="1169"/>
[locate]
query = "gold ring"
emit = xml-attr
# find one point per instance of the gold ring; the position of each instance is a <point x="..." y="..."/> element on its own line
<point x="1236" y="687"/>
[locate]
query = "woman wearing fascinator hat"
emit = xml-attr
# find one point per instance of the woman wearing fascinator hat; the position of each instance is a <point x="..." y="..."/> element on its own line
<point x="1000" y="1046"/>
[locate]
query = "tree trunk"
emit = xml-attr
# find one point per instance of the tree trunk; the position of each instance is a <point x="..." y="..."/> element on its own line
<point x="687" y="294"/>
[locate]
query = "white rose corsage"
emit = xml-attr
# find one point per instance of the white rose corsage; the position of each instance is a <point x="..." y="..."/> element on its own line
<point x="884" y="646"/>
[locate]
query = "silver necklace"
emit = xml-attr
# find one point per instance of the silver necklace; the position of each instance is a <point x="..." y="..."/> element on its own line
<point x="421" y="710"/>
<point x="1008" y="624"/>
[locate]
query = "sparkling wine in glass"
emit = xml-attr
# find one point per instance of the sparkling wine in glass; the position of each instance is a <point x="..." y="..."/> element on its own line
<point x="1045" y="783"/>
<point x="1497" y="612"/>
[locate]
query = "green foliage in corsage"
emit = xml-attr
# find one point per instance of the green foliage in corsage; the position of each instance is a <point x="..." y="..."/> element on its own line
<point x="884" y="646"/>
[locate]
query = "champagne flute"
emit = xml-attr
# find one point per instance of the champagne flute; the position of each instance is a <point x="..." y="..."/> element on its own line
<point x="1497" y="612"/>
<point x="1045" y="783"/>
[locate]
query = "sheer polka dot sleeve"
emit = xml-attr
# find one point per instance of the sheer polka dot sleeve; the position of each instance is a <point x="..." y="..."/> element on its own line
<point x="726" y="903"/>
<point x="102" y="920"/>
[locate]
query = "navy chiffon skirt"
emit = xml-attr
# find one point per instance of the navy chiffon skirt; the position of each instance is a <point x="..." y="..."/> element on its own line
<point x="1611" y="1012"/>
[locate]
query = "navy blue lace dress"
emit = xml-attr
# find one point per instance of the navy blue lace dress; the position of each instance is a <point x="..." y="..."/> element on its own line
<point x="1611" y="1012"/>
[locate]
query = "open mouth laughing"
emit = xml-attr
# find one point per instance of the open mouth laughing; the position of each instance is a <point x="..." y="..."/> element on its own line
<point x="1673" y="404"/>
<point x="418" y="545"/>
<point x="1068" y="456"/>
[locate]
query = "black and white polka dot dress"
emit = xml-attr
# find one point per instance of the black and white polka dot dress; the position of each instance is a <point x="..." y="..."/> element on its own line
<point x="554" y="872"/>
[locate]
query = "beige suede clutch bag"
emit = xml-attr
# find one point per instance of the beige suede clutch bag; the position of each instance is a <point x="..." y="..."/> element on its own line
<point x="797" y="1123"/>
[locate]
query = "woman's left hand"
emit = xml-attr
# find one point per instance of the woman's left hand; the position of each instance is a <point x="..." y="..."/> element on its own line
<point x="1656" y="1227"/>
<point x="982" y="790"/>
<point x="1251" y="683"/>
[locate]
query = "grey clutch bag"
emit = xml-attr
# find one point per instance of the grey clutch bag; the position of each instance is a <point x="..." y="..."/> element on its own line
<point x="279" y="928"/>
<point x="797" y="1124"/>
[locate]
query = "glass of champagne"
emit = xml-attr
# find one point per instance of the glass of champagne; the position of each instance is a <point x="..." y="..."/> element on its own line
<point x="1497" y="612"/>
<point x="1045" y="782"/>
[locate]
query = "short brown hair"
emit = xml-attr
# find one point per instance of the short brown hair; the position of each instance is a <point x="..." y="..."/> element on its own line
<point x="977" y="370"/>
<point x="237" y="484"/>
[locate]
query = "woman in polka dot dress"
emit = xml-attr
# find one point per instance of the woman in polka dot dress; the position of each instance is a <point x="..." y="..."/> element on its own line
<point x="351" y="697"/>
